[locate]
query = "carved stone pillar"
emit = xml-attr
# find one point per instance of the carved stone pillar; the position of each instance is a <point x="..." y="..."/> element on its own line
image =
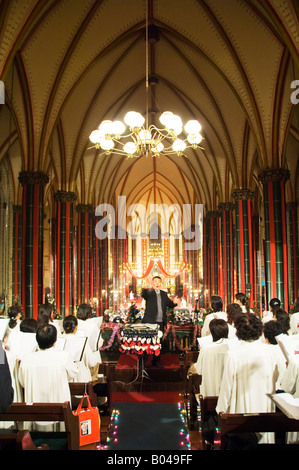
<point x="33" y="183"/>
<point x="276" y="262"/>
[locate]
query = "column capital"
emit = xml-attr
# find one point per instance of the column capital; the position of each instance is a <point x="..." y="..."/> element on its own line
<point x="274" y="174"/>
<point x="33" y="177"/>
<point x="65" y="196"/>
<point x="291" y="206"/>
<point x="85" y="208"/>
<point x="244" y="194"/>
<point x="17" y="209"/>
<point x="211" y="214"/>
<point x="226" y="206"/>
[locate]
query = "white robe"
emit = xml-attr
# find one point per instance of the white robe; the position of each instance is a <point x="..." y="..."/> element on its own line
<point x="45" y="374"/>
<point x="205" y="329"/>
<point x="210" y="365"/>
<point x="90" y="359"/>
<point x="290" y="384"/>
<point x="250" y="372"/>
<point x="294" y="323"/>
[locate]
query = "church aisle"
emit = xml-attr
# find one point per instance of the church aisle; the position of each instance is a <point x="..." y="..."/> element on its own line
<point x="148" y="426"/>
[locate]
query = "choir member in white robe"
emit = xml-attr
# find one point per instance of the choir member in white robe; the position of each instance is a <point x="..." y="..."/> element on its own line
<point x="45" y="316"/>
<point x="232" y="310"/>
<point x="217" y="306"/>
<point x="250" y="373"/>
<point x="87" y="324"/>
<point x="15" y="314"/>
<point x="90" y="358"/>
<point x="210" y="362"/>
<point x="294" y="323"/>
<point x="290" y="384"/>
<point x="268" y="314"/>
<point x="271" y="330"/>
<point x="45" y="374"/>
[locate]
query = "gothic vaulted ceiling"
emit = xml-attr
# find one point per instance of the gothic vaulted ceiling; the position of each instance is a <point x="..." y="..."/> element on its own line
<point x="69" y="64"/>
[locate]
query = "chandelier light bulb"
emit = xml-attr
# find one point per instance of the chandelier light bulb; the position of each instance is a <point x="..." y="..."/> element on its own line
<point x="174" y="124"/>
<point x="106" y="127"/>
<point x="106" y="143"/>
<point x="130" y="148"/>
<point x="134" y="119"/>
<point x="179" y="145"/>
<point x="95" y="136"/>
<point x="165" y="118"/>
<point x="194" y="139"/>
<point x="193" y="127"/>
<point x="118" y="127"/>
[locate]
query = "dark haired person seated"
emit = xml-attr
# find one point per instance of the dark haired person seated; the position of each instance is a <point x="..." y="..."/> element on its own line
<point x="45" y="373"/>
<point x="217" y="306"/>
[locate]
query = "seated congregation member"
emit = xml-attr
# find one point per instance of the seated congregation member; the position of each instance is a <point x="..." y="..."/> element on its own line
<point x="14" y="314"/>
<point x="22" y="341"/>
<point x="28" y="325"/>
<point x="87" y="323"/>
<point x="283" y="319"/>
<point x="271" y="330"/>
<point x="250" y="372"/>
<point x="90" y="358"/>
<point x="232" y="310"/>
<point x="290" y="384"/>
<point x="294" y="319"/>
<point x="217" y="306"/>
<point x="268" y="314"/>
<point x="243" y="301"/>
<point x="45" y="316"/>
<point x="45" y="374"/>
<point x="6" y="389"/>
<point x="210" y="361"/>
<point x="17" y="343"/>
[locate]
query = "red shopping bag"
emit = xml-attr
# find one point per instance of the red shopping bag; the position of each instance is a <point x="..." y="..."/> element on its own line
<point x="89" y="422"/>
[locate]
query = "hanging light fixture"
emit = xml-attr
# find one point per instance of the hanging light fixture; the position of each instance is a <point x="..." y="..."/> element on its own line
<point x="113" y="137"/>
<point x="143" y="140"/>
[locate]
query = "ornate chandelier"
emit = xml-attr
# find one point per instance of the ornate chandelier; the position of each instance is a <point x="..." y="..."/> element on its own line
<point x="142" y="139"/>
<point x="111" y="138"/>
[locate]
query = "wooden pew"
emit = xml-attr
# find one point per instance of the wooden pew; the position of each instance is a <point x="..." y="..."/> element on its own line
<point x="20" y="440"/>
<point x="276" y="422"/>
<point x="207" y="405"/>
<point x="20" y="412"/>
